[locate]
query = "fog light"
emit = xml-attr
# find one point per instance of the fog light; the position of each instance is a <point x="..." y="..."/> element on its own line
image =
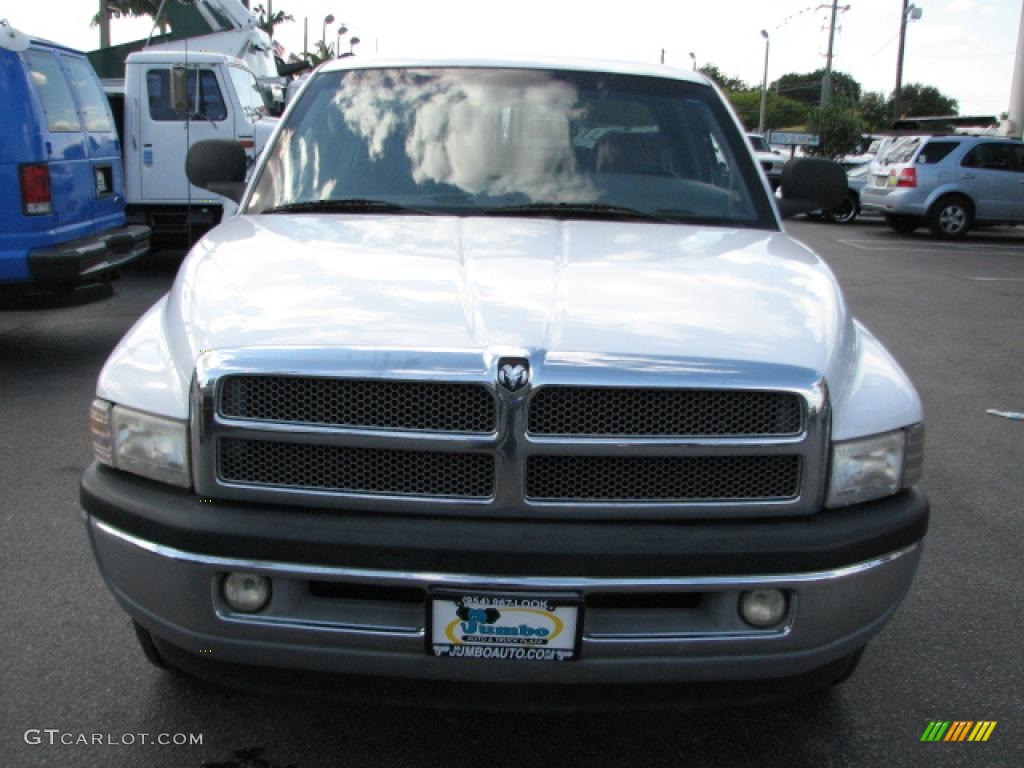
<point x="763" y="607"/>
<point x="246" y="592"/>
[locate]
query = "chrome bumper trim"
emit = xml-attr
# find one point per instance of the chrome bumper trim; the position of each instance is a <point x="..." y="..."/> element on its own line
<point x="438" y="579"/>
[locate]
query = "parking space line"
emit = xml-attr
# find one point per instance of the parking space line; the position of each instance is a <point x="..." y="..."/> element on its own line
<point x="998" y="279"/>
<point x="882" y="245"/>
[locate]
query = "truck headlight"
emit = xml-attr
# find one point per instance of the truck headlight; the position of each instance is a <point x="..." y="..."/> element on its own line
<point x="873" y="467"/>
<point x="137" y="442"/>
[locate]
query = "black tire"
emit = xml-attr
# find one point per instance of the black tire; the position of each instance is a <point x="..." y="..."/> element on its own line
<point x="903" y="224"/>
<point x="852" y="662"/>
<point x="951" y="217"/>
<point x="148" y="648"/>
<point x="844" y="213"/>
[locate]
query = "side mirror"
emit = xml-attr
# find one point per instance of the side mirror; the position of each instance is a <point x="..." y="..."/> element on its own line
<point x="811" y="184"/>
<point x="218" y="165"/>
<point x="179" y="90"/>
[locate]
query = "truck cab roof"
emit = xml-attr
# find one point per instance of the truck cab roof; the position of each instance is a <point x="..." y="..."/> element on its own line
<point x="175" y="57"/>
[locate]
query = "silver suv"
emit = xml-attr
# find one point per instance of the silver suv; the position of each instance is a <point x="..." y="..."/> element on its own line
<point x="949" y="182"/>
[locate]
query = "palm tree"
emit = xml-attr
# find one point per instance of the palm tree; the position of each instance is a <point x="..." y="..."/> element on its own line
<point x="270" y="19"/>
<point x="115" y="9"/>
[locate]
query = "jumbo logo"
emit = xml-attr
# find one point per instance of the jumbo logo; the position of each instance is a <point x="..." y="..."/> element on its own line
<point x="527" y="626"/>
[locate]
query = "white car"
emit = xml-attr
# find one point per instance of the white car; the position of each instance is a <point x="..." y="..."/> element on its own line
<point x="507" y="372"/>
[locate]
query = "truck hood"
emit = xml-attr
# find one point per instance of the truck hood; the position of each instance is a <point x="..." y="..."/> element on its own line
<point x="508" y="286"/>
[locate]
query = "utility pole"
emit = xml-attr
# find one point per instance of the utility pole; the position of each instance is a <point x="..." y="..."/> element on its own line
<point x="910" y="13"/>
<point x="826" y="81"/>
<point x="104" y="25"/>
<point x="899" y="61"/>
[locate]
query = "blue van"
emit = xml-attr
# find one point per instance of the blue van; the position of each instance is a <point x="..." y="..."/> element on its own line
<point x="62" y="221"/>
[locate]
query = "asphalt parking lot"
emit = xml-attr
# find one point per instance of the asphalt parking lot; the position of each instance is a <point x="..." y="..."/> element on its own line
<point x="951" y="313"/>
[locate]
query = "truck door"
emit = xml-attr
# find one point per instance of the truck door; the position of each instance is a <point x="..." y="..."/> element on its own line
<point x="167" y="135"/>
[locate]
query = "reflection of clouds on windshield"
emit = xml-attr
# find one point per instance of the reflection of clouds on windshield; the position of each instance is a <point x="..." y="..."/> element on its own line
<point x="298" y="167"/>
<point x="482" y="131"/>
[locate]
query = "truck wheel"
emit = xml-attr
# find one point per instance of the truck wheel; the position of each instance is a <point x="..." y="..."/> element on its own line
<point x="951" y="217"/>
<point x="148" y="648"/>
<point x="852" y="662"/>
<point x="845" y="212"/>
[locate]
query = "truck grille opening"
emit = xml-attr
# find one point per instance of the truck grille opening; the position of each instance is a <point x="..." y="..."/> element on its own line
<point x="361" y="404"/>
<point x="356" y="470"/>
<point x="606" y="411"/>
<point x="662" y="478"/>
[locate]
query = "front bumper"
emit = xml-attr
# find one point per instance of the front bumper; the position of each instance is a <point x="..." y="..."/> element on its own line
<point x="89" y="258"/>
<point x="349" y="591"/>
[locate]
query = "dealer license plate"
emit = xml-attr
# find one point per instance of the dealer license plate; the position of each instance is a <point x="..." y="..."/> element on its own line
<point x="506" y="627"/>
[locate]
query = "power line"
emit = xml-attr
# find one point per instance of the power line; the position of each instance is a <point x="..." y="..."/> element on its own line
<point x="960" y="56"/>
<point x="891" y="39"/>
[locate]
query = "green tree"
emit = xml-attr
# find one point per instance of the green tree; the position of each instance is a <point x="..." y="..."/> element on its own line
<point x="780" y="112"/>
<point x="839" y="126"/>
<point x="917" y="100"/>
<point x="725" y="82"/>
<point x="806" y="87"/>
<point x="875" y="111"/>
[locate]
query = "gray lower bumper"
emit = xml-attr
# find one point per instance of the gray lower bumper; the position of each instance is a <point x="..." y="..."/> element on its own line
<point x="175" y="595"/>
<point x="90" y="258"/>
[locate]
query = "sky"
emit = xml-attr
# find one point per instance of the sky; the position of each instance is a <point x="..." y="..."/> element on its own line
<point x="965" y="48"/>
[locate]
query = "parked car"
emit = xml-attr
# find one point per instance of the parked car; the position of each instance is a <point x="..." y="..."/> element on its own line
<point x="62" y="205"/>
<point x="506" y="372"/>
<point x="771" y="162"/>
<point x="950" y="183"/>
<point x="847" y="211"/>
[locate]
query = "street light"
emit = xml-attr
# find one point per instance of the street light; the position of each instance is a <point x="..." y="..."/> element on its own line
<point x="764" y="83"/>
<point x="328" y="19"/>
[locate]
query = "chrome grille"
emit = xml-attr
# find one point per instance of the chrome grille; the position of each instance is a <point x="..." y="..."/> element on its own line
<point x="375" y="431"/>
<point x="602" y="411"/>
<point x="670" y="479"/>
<point x="362" y="404"/>
<point x="355" y="470"/>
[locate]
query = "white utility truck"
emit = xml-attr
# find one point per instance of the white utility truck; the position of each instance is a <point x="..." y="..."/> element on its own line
<point x="167" y="102"/>
<point x="211" y="26"/>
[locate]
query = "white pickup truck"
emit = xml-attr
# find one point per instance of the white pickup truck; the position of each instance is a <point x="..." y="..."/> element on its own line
<point x="507" y="372"/>
<point x="222" y="100"/>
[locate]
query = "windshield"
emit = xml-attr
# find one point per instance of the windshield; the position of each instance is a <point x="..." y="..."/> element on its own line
<point x="475" y="141"/>
<point x="248" y="91"/>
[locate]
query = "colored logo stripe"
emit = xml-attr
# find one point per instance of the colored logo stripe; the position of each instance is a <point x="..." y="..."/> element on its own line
<point x="958" y="730"/>
<point x="982" y="730"/>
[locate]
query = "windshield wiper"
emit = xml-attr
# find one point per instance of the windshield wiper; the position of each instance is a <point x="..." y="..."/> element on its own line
<point x="348" y="205"/>
<point x="571" y="209"/>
